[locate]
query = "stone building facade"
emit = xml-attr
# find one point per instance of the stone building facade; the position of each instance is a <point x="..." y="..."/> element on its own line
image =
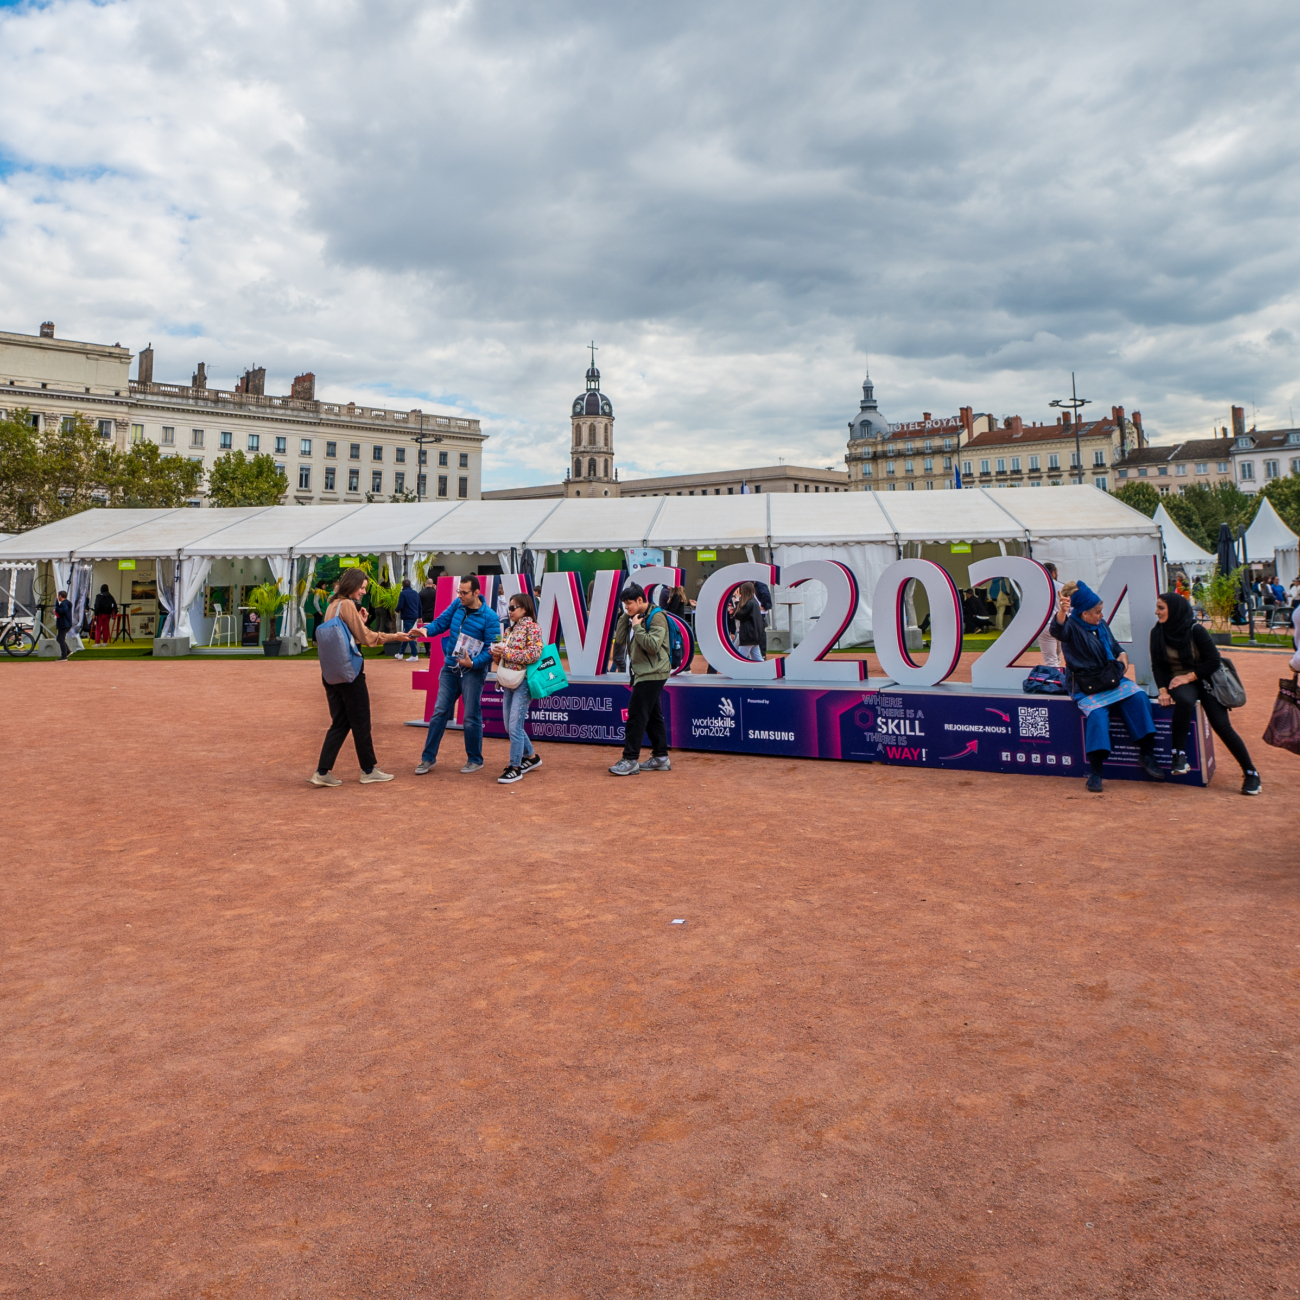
<point x="1017" y="454"/>
<point x="329" y="452"/>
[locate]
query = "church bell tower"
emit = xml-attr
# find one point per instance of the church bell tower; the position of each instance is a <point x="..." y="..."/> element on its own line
<point x="591" y="453"/>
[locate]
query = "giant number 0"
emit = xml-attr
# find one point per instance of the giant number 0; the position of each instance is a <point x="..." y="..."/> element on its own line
<point x="807" y="662"/>
<point x="890" y="626"/>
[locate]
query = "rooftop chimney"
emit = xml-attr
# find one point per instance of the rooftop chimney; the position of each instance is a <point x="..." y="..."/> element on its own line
<point x="925" y="415"/>
<point x="1238" y="420"/>
<point x="253" y="383"/>
<point x="200" y="379"/>
<point x="1067" y="418"/>
<point x="304" y="387"/>
<point x="1016" y="425"/>
<point x="968" y="420"/>
<point x="47" y="329"/>
<point x="1137" y="424"/>
<point x="145" y="374"/>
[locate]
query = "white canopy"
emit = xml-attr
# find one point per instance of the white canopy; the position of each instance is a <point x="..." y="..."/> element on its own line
<point x="1047" y="517"/>
<point x="1268" y="538"/>
<point x="1180" y="551"/>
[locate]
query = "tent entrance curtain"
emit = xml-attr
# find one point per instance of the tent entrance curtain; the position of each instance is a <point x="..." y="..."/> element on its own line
<point x="191" y="574"/>
<point x="165" y="579"/>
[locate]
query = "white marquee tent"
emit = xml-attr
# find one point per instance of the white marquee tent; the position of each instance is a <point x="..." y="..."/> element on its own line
<point x="1180" y="551"/>
<point x="1080" y="528"/>
<point x="1269" y="539"/>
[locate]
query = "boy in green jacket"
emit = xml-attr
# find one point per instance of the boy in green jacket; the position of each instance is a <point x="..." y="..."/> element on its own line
<point x="643" y="628"/>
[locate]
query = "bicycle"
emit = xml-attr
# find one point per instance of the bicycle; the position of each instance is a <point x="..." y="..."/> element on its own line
<point x="17" y="636"/>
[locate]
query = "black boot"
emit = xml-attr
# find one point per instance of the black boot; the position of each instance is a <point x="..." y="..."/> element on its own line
<point x="1096" y="758"/>
<point x="1151" y="769"/>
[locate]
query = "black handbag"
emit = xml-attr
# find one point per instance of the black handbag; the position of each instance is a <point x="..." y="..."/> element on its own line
<point x="1097" y="683"/>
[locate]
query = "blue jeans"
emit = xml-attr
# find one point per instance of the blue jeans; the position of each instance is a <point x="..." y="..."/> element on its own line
<point x="1136" y="711"/>
<point x="411" y="647"/>
<point x="453" y="684"/>
<point x="514" y="708"/>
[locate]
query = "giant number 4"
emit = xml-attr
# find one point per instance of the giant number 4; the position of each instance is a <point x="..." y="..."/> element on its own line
<point x="807" y="662"/>
<point x="993" y="670"/>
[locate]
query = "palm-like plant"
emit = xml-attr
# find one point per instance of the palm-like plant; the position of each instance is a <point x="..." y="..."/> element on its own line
<point x="266" y="602"/>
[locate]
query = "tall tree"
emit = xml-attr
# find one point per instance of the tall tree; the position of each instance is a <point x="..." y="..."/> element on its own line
<point x="236" y="480"/>
<point x="47" y="474"/>
<point x="1284" y="493"/>
<point x="1186" y="516"/>
<point x="1141" y="496"/>
<point x="144" y="477"/>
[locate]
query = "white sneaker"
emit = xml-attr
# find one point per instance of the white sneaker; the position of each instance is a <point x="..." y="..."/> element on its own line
<point x="368" y="778"/>
<point x="325" y="778"/>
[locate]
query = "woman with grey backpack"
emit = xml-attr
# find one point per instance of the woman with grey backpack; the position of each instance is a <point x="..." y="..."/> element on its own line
<point x="343" y="673"/>
<point x="1187" y="666"/>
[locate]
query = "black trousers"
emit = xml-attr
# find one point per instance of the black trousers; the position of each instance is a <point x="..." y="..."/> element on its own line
<point x="1185" y="698"/>
<point x="61" y="636"/>
<point x="349" y="711"/>
<point x="645" y="718"/>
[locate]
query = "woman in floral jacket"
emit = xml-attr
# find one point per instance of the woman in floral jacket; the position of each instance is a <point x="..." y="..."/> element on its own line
<point x="511" y="656"/>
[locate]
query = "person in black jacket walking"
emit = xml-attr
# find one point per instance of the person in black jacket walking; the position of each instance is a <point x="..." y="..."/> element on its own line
<point x="745" y="622"/>
<point x="63" y="623"/>
<point x="104" y="609"/>
<point x="1183" y="659"/>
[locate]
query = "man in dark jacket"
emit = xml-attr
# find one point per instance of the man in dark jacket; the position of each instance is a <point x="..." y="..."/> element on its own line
<point x="462" y="676"/>
<point x="105" y="608"/>
<point x="408" y="610"/>
<point x="63" y="623"/>
<point x="643" y="628"/>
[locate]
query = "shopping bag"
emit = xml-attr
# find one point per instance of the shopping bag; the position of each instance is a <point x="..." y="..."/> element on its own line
<point x="1283" y="730"/>
<point x="546" y="676"/>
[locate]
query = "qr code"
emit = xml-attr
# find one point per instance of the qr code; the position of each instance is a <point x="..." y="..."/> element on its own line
<point x="1033" y="724"/>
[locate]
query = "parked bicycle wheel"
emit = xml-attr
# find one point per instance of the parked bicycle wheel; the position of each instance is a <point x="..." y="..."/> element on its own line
<point x="18" y="641"/>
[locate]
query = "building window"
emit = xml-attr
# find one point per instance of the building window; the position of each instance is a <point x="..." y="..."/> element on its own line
<point x="1099" y="457"/>
<point x="196" y="437"/>
<point x="1121" y="473"/>
<point x="929" y="465"/>
<point x="909" y="467"/>
<point x="1163" y="471"/>
<point x="947" y="462"/>
<point x="606" y="435"/>
<point x="281" y="446"/>
<point x="1247" y="470"/>
<point x="304" y="478"/>
<point x="304" y="446"/>
<point x="399" y="482"/>
<point x="329" y="478"/>
<point x="462" y="488"/>
<point x="929" y="444"/>
<point x="984" y="467"/>
<point x="137" y="435"/>
<point x="377" y="480"/>
<point x="889" y="466"/>
<point x="354" y="480"/>
<point x="1100" y="481"/>
<point x="106" y="429"/>
<point x="331" y="450"/>
<point x="196" y="460"/>
<point x="1224" y="466"/>
<point x="376" y="453"/>
<point x="254" y="441"/>
<point x="1295" y="466"/>
<point x="591" y="468"/>
<point x="1033" y="464"/>
<point x="1142" y="473"/>
<point x="1202" y="466"/>
<point x="442" y="459"/>
<point x="866" y="471"/>
<point x="423" y="457"/>
<point x="1180" y="470"/>
<point x="1053" y="461"/>
<point x="1002" y="465"/>
<point x="442" y="485"/>
<point x="908" y="449"/>
<point x="1270" y="466"/>
<point x="227" y="440"/>
<point x="464" y="460"/>
<point x="421" y="484"/>
<point x="169" y="433"/>
<point x="279" y="469"/>
<point x="399" y="455"/>
<point x="354" y="451"/>
<point x="68" y="424"/>
<point x="1074" y="460"/>
<point x="1015" y="464"/>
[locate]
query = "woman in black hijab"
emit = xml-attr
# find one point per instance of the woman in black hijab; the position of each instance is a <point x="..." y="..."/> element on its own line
<point x="1183" y="659"/>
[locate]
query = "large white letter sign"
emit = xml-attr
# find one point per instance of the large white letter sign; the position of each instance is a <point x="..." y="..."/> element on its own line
<point x="993" y="670"/>
<point x="586" y="636"/>
<point x="1138" y="578"/>
<point x="890" y="624"/>
<point x="711" y="622"/>
<point x="807" y="662"/>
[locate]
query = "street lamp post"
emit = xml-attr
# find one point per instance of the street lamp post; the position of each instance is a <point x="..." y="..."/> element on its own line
<point x="1074" y="403"/>
<point x="420" y="438"/>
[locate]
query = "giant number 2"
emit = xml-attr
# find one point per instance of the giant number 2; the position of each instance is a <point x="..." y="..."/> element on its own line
<point x="806" y="662"/>
<point x="992" y="670"/>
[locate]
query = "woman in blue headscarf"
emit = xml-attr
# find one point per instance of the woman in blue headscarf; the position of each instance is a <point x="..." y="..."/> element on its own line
<point x="1098" y="666"/>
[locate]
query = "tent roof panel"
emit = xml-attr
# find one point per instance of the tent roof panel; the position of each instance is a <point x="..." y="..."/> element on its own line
<point x="967" y="516"/>
<point x="380" y="526"/>
<point x="1179" y="548"/>
<point x="1074" y="511"/>
<point x="65" y="536"/>
<point x="1267" y="533"/>
<point x="819" y="520"/>
<point x="177" y="531"/>
<point x="596" y="524"/>
<point x="276" y="531"/>
<point x="484" y="526"/>
<point x="710" y="521"/>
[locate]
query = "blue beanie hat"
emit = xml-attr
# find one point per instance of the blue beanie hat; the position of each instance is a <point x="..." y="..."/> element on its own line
<point x="1084" y="598"/>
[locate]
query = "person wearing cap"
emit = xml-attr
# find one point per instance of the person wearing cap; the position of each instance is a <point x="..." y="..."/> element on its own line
<point x="1098" y="669"/>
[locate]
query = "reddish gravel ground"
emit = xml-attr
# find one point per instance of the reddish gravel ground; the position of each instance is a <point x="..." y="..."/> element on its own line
<point x="922" y="1035"/>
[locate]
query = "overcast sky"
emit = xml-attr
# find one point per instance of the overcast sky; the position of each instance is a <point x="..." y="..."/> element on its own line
<point x="441" y="204"/>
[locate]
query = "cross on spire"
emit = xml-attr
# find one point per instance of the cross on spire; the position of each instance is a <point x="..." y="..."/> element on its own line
<point x="593" y="349"/>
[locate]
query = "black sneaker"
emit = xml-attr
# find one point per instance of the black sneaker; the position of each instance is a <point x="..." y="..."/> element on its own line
<point x="510" y="776"/>
<point x="1094" y="783"/>
<point x="533" y="760"/>
<point x="1251" y="784"/>
<point x="1151" y="769"/>
<point x="1180" y="766"/>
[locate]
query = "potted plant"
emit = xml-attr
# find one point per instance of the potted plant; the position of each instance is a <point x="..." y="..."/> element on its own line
<point x="383" y="600"/>
<point x="1222" y="595"/>
<point x="266" y="602"/>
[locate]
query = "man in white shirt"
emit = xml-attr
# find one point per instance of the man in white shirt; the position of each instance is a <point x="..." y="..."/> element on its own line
<point x="1048" y="645"/>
